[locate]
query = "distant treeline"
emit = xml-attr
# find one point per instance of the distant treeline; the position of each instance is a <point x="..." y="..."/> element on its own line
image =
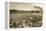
<point x="22" y="11"/>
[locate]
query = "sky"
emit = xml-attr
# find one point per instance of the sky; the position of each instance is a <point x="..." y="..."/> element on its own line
<point x="22" y="6"/>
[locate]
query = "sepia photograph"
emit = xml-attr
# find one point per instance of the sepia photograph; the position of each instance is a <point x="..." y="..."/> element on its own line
<point x="24" y="15"/>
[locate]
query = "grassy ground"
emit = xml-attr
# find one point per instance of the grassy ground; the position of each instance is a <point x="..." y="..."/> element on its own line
<point x="20" y="20"/>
